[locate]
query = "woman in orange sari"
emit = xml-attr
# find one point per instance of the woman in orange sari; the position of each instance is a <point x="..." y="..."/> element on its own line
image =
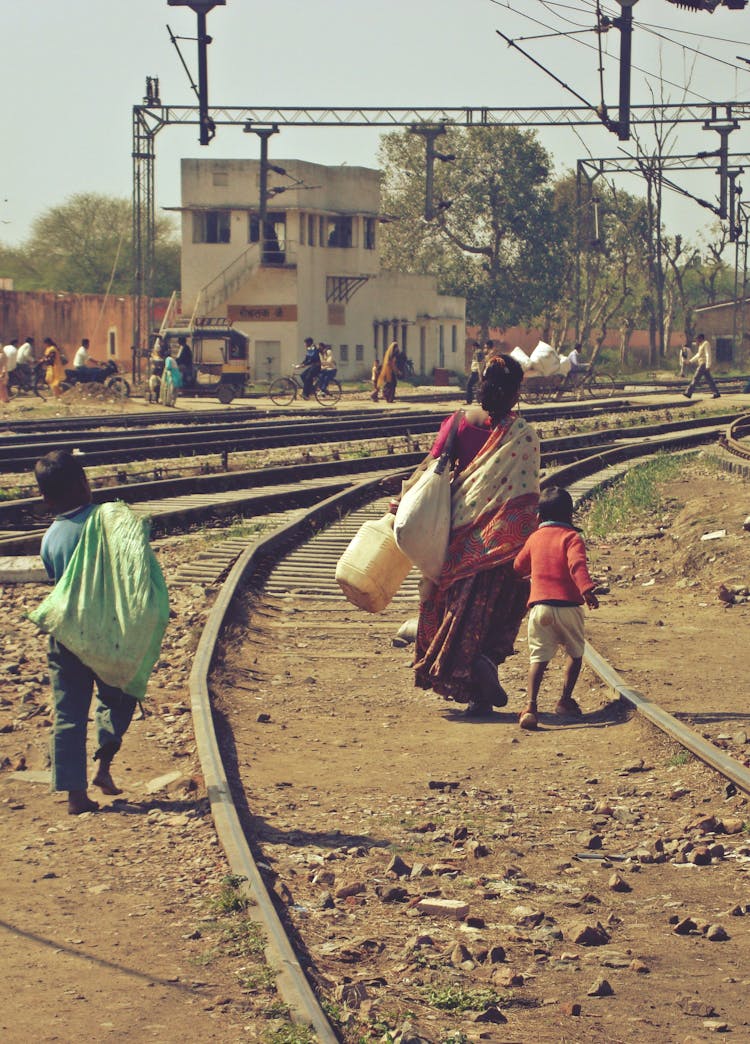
<point x="54" y="375"/>
<point x="389" y="374"/>
<point x="469" y="619"/>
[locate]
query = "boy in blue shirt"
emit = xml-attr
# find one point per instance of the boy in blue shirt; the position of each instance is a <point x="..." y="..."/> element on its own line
<point x="66" y="491"/>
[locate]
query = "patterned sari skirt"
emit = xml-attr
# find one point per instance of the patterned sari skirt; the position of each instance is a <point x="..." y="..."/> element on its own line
<point x="479" y="614"/>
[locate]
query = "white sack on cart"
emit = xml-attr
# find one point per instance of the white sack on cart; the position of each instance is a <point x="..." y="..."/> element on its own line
<point x="544" y="359"/>
<point x="521" y="358"/>
<point x="565" y="365"/>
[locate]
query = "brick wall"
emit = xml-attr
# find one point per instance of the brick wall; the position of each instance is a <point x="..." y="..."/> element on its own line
<point x="106" y="321"/>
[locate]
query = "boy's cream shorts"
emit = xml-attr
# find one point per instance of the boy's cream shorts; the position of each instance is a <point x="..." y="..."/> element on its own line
<point x="553" y="625"/>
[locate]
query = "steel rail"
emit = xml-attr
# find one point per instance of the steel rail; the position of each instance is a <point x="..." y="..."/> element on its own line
<point x="292" y="982"/>
<point x="731" y="441"/>
<point x="667" y="723"/>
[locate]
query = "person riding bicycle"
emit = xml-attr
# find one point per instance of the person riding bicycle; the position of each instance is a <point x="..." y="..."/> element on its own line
<point x="575" y="358"/>
<point x="310" y="367"/>
<point x="577" y="367"/>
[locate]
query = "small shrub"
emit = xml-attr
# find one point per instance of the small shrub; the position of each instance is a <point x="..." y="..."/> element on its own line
<point x="682" y="757"/>
<point x="230" y="899"/>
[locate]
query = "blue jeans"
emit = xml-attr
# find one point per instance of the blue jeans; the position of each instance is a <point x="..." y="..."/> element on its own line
<point x="308" y="380"/>
<point x="325" y="377"/>
<point x="72" y="689"/>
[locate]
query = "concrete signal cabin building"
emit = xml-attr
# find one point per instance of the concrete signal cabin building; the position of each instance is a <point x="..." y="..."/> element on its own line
<point x="313" y="270"/>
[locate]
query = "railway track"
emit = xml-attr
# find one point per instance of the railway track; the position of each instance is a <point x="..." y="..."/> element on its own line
<point x="178" y="502"/>
<point x="143" y="437"/>
<point x="289" y="598"/>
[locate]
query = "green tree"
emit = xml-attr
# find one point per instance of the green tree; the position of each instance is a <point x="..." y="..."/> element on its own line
<point x="85" y="245"/>
<point x="494" y="236"/>
<point x="602" y="246"/>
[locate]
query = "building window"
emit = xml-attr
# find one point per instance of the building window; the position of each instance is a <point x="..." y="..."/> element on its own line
<point x="369" y="233"/>
<point x="274" y="238"/>
<point x="211" y="226"/>
<point x="302" y="228"/>
<point x="339" y="232"/>
<point x="112" y="343"/>
<point x="724" y="346"/>
<point x="359" y="352"/>
<point x="311" y="223"/>
<point x="322" y="231"/>
<point x="344" y="353"/>
<point x="454" y="339"/>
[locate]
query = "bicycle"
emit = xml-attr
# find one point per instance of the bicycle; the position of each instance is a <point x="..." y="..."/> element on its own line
<point x="284" y="390"/>
<point x="28" y="378"/>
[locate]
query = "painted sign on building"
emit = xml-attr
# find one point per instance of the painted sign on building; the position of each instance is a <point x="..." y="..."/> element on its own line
<point x="262" y="313"/>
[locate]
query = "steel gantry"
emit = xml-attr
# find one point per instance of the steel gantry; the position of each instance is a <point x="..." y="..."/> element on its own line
<point x="152" y="116"/>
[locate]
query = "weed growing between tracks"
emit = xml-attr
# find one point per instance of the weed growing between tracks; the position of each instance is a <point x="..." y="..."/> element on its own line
<point x="234" y="935"/>
<point x="631" y="499"/>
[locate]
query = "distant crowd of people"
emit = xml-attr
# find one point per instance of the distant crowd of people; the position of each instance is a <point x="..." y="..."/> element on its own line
<point x="19" y="361"/>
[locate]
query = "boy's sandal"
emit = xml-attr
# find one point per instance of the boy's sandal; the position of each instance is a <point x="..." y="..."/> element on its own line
<point x="527" y="719"/>
<point x="568" y="709"/>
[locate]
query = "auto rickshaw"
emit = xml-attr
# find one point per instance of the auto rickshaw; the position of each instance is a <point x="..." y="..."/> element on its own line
<point x="220" y="358"/>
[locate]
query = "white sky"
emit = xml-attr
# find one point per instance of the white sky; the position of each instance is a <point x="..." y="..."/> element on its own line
<point x="73" y="69"/>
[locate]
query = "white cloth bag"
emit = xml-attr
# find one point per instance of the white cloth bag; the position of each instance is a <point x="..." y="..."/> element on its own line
<point x="521" y="358"/>
<point x="423" y="520"/>
<point x="544" y="359"/>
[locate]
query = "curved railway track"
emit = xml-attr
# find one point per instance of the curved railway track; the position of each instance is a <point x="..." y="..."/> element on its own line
<point x="300" y="581"/>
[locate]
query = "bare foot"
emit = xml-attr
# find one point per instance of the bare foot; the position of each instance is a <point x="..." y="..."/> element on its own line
<point x="79" y="802"/>
<point x="103" y="780"/>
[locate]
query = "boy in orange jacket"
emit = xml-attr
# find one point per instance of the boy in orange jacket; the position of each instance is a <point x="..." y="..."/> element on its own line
<point x="555" y="558"/>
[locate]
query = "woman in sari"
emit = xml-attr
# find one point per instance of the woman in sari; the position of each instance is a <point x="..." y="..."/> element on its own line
<point x="469" y="620"/>
<point x="171" y="382"/>
<point x="389" y="373"/>
<point x="54" y="374"/>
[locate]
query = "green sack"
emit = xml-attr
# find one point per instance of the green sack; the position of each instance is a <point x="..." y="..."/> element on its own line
<point x="110" y="607"/>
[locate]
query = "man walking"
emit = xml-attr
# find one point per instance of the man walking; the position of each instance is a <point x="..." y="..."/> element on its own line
<point x="703" y="357"/>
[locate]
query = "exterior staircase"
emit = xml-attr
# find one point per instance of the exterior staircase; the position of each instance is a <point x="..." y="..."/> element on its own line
<point x="228" y="280"/>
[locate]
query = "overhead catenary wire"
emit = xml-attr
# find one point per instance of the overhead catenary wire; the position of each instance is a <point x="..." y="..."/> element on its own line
<point x="592" y="47"/>
<point x="652" y="31"/>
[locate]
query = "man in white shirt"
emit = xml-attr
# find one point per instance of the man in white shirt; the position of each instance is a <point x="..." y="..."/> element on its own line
<point x="575" y="358"/>
<point x="82" y="358"/>
<point x="704" y="358"/>
<point x="25" y="355"/>
<point x="11" y="354"/>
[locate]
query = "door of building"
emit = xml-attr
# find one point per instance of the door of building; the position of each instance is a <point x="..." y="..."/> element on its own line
<point x="267" y="361"/>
